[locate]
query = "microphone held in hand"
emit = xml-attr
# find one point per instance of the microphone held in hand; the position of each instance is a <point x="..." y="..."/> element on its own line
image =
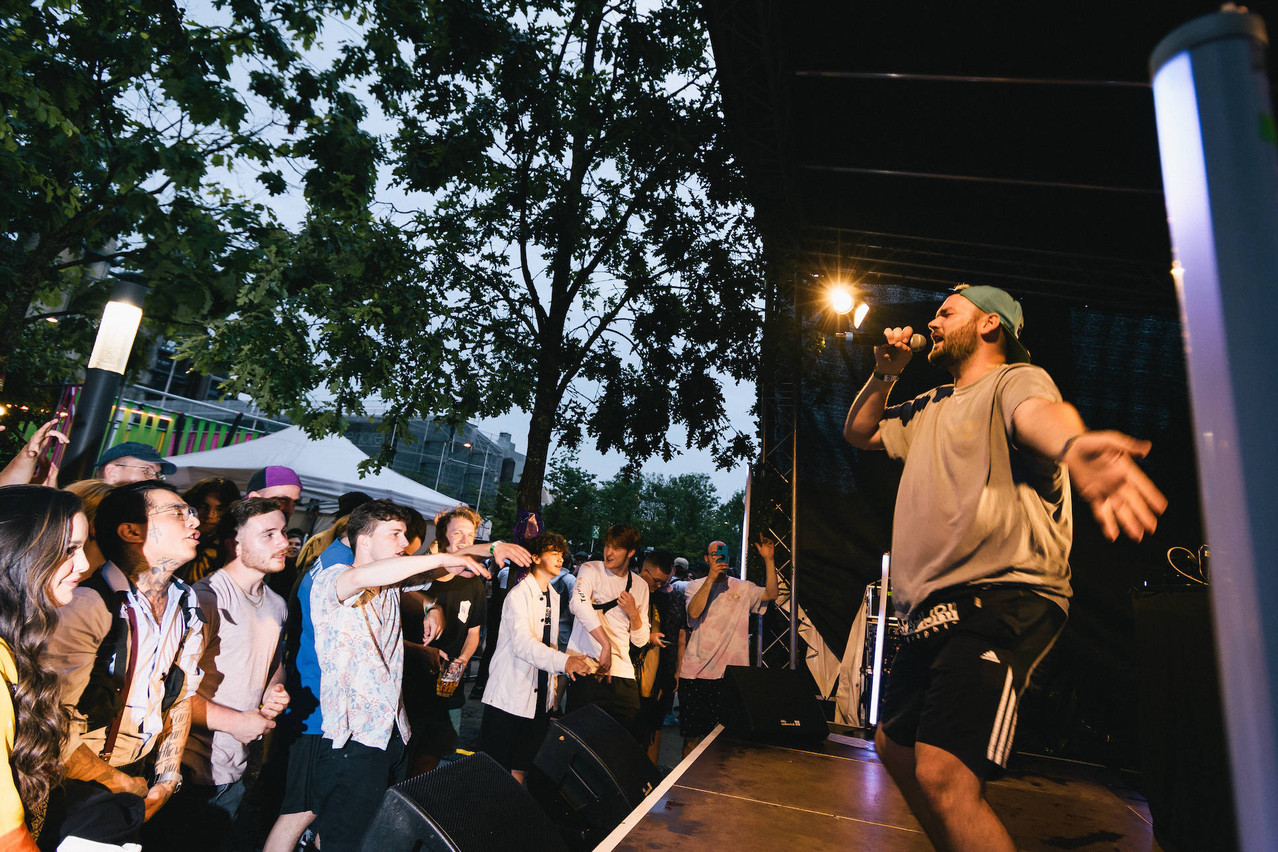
<point x="917" y="341"/>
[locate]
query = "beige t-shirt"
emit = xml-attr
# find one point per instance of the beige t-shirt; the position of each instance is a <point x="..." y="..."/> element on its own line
<point x="242" y="650"/>
<point x="974" y="509"/>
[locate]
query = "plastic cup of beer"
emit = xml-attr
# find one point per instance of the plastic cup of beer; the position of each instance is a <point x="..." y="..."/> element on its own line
<point x="448" y="679"/>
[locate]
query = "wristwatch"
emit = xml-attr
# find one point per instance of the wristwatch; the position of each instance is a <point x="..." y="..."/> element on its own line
<point x="174" y="778"/>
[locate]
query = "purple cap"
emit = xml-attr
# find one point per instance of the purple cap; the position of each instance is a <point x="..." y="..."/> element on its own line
<point x="269" y="477"/>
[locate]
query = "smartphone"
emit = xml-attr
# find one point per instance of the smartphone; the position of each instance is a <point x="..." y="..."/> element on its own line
<point x="721" y="551"/>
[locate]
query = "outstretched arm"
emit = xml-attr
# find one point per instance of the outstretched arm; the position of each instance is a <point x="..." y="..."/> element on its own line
<point x="1102" y="466"/>
<point x="767" y="550"/>
<point x="388" y="572"/>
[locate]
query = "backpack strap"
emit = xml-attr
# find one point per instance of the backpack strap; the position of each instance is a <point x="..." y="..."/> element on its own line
<point x="103" y="697"/>
<point x="108" y="745"/>
<point x="604" y="607"/>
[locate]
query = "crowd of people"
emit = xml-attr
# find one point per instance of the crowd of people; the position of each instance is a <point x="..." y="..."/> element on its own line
<point x="171" y="656"/>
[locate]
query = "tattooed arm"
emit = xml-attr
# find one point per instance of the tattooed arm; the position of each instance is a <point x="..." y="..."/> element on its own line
<point x="168" y="756"/>
<point x="84" y="765"/>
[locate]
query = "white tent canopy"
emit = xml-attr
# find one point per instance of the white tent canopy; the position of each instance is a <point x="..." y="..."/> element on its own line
<point x="328" y="468"/>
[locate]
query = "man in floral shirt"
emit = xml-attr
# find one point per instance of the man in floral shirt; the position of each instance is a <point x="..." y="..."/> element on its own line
<point x="360" y="645"/>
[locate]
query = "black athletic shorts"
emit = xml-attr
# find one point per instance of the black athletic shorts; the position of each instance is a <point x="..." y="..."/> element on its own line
<point x="299" y="785"/>
<point x="699" y="701"/>
<point x="957" y="680"/>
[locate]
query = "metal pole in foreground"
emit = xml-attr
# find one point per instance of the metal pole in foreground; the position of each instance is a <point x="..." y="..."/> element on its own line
<point x="1219" y="152"/>
<point x="102" y="379"/>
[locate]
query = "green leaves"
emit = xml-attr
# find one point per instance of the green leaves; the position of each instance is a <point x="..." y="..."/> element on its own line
<point x="682" y="513"/>
<point x="112" y="115"/>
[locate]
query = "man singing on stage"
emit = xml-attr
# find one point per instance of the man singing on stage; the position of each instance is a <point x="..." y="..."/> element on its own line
<point x="980" y="548"/>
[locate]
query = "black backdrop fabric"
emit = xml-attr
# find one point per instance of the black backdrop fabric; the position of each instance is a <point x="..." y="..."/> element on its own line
<point x="1123" y="372"/>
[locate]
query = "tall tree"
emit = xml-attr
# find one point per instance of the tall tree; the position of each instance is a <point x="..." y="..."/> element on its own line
<point x="574" y="511"/>
<point x="117" y="119"/>
<point x="579" y="218"/>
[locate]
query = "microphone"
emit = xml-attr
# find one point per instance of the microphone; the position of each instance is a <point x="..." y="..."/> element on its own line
<point x="861" y="338"/>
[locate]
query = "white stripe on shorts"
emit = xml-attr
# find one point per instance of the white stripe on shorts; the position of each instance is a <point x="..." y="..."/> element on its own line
<point x="1000" y="744"/>
<point x="1003" y="720"/>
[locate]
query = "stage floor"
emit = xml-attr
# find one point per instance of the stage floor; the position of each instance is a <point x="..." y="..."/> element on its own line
<point x="740" y="795"/>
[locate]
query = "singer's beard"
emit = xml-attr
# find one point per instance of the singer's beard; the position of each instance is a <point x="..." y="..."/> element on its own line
<point x="955" y="349"/>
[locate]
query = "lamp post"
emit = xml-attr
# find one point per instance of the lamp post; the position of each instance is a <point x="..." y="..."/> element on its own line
<point x="120" y="320"/>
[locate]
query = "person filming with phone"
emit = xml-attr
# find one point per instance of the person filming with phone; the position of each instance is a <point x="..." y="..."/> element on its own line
<point x="719" y="609"/>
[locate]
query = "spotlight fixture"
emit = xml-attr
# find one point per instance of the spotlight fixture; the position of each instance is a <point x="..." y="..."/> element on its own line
<point x="841" y="300"/>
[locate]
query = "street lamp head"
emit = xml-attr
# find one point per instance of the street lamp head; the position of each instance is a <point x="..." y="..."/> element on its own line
<point x="120" y="320"/>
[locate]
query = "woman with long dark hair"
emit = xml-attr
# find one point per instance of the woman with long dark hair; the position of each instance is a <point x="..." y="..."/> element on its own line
<point x="212" y="498"/>
<point x="42" y="536"/>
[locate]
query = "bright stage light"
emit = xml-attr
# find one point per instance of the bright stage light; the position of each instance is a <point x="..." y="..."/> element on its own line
<point x="840" y="300"/>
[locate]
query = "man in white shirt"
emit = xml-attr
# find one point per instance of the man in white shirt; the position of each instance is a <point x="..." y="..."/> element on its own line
<point x="610" y="605"/>
<point x="520" y="688"/>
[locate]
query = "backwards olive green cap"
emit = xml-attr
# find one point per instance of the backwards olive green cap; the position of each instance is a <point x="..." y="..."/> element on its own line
<point x="993" y="300"/>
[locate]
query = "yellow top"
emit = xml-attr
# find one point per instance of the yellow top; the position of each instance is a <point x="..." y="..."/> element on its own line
<point x="11" y="813"/>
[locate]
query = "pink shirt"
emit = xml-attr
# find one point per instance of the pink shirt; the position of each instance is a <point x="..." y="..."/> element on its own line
<point x="721" y="636"/>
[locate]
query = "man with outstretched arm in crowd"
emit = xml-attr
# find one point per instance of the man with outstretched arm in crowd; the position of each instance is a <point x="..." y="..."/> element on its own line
<point x="719" y="609"/>
<point x="980" y="548"/>
<point x="128" y="647"/>
<point x="460" y="603"/>
<point x="242" y="691"/>
<point x="610" y="605"/>
<point x="355" y="610"/>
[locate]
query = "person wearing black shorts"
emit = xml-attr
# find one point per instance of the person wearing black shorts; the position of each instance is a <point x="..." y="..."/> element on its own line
<point x="520" y="688"/>
<point x="980" y="548"/>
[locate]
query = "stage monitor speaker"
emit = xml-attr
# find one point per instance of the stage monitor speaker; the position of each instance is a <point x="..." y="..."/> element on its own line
<point x="772" y="705"/>
<point x="471" y="805"/>
<point x="589" y="775"/>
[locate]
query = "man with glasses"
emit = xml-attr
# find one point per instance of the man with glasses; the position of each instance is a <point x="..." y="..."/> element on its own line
<point x="657" y="664"/>
<point x="133" y="462"/>
<point x="128" y="647"/>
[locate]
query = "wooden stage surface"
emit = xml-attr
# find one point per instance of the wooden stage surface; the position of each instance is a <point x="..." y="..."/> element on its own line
<point x="741" y="796"/>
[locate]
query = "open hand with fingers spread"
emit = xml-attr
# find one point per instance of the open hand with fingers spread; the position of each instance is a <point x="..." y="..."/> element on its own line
<point x="1102" y="467"/>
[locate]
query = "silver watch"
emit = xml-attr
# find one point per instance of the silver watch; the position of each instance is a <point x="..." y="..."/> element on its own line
<point x="174" y="778"/>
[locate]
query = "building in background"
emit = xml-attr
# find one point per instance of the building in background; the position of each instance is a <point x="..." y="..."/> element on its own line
<point x="463" y="462"/>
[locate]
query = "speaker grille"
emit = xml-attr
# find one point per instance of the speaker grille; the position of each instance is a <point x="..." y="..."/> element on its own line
<point x="471" y="805"/>
<point x="589" y="774"/>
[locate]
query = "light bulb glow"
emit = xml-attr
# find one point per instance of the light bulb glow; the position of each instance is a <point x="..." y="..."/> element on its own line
<point x="840" y="300"/>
